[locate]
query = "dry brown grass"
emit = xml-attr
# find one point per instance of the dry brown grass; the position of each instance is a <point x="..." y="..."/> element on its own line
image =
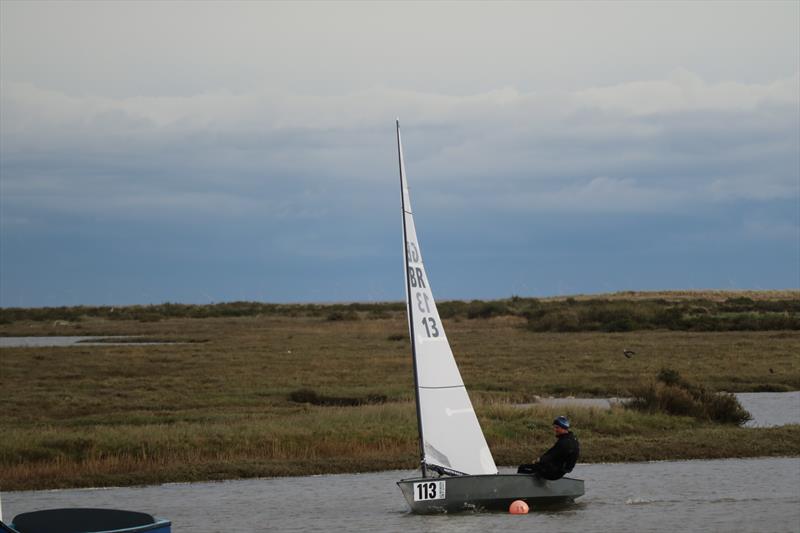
<point x="219" y="406"/>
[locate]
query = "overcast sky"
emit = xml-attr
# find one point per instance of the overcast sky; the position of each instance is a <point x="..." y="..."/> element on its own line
<point x="204" y="152"/>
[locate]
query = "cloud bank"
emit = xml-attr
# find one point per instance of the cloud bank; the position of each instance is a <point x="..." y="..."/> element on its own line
<point x="155" y="149"/>
<point x="641" y="146"/>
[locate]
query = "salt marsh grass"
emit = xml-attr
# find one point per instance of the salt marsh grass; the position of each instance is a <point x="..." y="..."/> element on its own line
<point x="220" y="404"/>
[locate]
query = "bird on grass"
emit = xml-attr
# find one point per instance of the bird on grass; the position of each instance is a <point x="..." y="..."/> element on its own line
<point x="628" y="353"/>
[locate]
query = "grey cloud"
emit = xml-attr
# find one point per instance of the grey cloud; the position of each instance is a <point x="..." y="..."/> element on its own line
<point x="620" y="148"/>
<point x="265" y="130"/>
<point x="686" y="91"/>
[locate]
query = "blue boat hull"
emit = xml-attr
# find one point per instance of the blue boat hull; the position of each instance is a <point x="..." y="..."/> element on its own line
<point x="79" y="520"/>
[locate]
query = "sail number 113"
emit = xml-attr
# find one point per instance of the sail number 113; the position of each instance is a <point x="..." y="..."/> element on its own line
<point x="429" y="490"/>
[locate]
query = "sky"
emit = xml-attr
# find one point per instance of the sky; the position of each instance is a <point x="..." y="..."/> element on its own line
<point x="202" y="152"/>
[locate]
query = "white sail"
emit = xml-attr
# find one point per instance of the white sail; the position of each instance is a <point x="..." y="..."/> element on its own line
<point x="449" y="430"/>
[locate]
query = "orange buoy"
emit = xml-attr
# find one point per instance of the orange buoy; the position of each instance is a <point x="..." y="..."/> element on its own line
<point x="518" y="507"/>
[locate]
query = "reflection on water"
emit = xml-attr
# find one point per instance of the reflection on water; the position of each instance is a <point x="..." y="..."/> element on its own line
<point x="723" y="495"/>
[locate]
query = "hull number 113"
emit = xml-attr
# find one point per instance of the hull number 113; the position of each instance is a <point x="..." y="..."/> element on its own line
<point x="429" y="490"/>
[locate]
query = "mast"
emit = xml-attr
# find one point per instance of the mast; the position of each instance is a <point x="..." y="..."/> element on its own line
<point x="409" y="306"/>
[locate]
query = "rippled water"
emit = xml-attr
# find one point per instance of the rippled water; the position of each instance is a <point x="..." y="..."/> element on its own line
<point x="771" y="408"/>
<point x="723" y="495"/>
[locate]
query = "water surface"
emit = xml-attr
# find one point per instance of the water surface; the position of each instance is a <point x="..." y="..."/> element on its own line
<point x="770" y="409"/>
<point x="73" y="340"/>
<point x="44" y="342"/>
<point x="723" y="495"/>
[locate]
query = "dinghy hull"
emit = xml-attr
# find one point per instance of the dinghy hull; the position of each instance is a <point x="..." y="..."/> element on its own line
<point x="486" y="492"/>
<point x="80" y="520"/>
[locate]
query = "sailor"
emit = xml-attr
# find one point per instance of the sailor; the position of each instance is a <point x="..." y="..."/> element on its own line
<point x="558" y="460"/>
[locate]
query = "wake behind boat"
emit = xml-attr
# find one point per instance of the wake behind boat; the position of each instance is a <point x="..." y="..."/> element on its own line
<point x="452" y="445"/>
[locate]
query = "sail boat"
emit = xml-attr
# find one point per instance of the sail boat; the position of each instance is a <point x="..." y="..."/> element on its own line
<point x="458" y="470"/>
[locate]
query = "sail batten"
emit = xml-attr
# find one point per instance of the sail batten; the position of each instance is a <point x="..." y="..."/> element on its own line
<point x="449" y="429"/>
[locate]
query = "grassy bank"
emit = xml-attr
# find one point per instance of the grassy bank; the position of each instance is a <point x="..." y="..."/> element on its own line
<point x="315" y="440"/>
<point x="225" y="403"/>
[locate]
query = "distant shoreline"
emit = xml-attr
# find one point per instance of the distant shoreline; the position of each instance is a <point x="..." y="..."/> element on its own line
<point x="671" y="294"/>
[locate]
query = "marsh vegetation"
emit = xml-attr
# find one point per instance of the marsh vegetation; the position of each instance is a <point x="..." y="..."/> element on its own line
<point x="671" y="394"/>
<point x="261" y="389"/>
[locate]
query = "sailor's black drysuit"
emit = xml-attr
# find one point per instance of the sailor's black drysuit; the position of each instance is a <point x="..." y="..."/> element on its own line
<point x="557" y="461"/>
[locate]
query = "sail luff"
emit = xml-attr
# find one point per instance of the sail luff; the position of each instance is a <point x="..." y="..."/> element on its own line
<point x="407" y="208"/>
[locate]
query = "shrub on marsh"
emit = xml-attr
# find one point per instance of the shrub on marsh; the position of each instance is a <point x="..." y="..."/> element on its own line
<point x="337" y="315"/>
<point x="724" y="408"/>
<point x="562" y="320"/>
<point x="451" y="308"/>
<point x="673" y="395"/>
<point x="378" y="314"/>
<point x="671" y="377"/>
<point x="479" y="309"/>
<point x="312" y="397"/>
